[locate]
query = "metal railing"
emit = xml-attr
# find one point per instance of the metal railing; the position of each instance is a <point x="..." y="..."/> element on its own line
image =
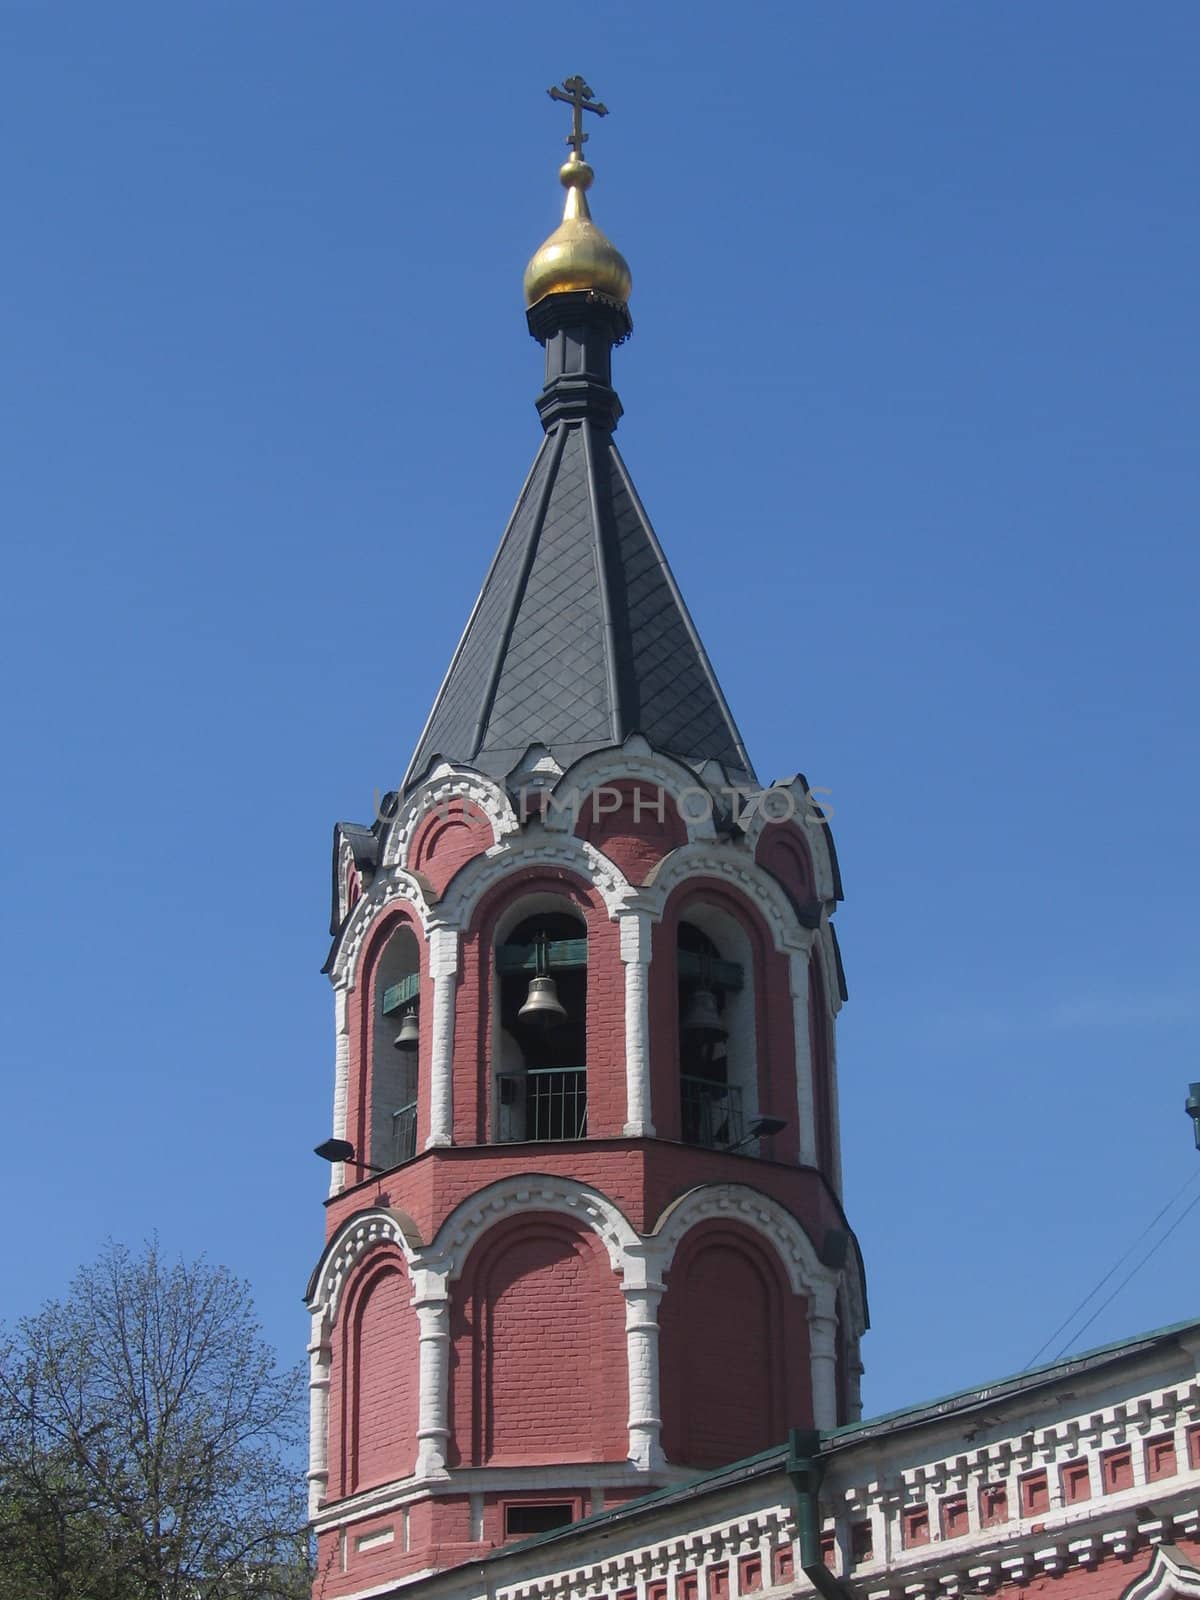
<point x="404" y="1133"/>
<point x="711" y="1112"/>
<point x="555" y="1103"/>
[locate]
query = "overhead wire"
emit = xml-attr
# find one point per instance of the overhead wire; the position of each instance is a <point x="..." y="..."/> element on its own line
<point x="1153" y="1251"/>
<point x="1114" y="1269"/>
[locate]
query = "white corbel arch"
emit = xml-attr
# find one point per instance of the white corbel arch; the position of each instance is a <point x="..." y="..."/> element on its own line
<point x="795" y="803"/>
<point x="729" y="864"/>
<point x="475" y="1216"/>
<point x="533" y="848"/>
<point x="634" y="761"/>
<point x="1168" y="1577"/>
<point x="444" y="784"/>
<point x="823" y="941"/>
<point x="397" y="886"/>
<point x="737" y="1202"/>
<point x="360" y="1234"/>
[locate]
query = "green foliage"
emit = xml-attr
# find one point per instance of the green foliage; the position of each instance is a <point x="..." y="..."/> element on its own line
<point x="148" y="1443"/>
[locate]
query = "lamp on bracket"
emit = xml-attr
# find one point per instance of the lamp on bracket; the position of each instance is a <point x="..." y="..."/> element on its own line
<point x="342" y="1150"/>
<point x="760" y="1128"/>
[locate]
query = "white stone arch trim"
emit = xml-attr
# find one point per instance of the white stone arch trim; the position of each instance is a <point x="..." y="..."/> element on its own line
<point x="447" y="783"/>
<point x="479" y="1213"/>
<point x="823" y="940"/>
<point x="852" y="1294"/>
<point x="1170" y="1576"/>
<point x="737" y="1202"/>
<point x="634" y="761"/>
<point x="732" y="865"/>
<point x="358" y="1236"/>
<point x="398" y="887"/>
<point x="534" y="847"/>
<point x="798" y="806"/>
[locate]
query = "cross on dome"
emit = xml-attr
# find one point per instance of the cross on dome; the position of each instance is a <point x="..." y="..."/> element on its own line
<point x="580" y="98"/>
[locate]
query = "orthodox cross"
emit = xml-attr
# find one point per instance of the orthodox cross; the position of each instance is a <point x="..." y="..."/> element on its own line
<point x="580" y="98"/>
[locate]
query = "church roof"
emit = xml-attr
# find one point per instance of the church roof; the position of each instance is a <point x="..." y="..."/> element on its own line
<point x="580" y="636"/>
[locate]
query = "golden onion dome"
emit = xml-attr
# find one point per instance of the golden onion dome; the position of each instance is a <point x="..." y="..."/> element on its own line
<point x="577" y="256"/>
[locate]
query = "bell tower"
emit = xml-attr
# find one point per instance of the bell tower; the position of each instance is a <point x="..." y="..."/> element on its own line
<point x="584" y="1235"/>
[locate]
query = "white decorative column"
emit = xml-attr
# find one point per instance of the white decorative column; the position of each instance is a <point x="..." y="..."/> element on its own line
<point x="318" y="1413"/>
<point x="635" y="953"/>
<point x="431" y="1301"/>
<point x="341" y="1080"/>
<point x="805" y="1102"/>
<point x="822" y="1340"/>
<point x="443" y="969"/>
<point x="643" y="1291"/>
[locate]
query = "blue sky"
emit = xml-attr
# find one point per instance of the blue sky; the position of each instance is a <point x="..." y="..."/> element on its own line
<point x="912" y="400"/>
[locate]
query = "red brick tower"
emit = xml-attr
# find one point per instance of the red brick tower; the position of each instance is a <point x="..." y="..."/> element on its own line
<point x="585" y="985"/>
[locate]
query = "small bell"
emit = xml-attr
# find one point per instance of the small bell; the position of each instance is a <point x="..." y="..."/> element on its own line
<point x="542" y="1005"/>
<point x="702" y="1018"/>
<point x="410" y="1031"/>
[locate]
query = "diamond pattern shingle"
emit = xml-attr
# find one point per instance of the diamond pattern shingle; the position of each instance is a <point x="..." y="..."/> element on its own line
<point x="537" y="663"/>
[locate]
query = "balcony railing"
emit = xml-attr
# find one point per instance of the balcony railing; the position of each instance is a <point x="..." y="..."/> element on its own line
<point x="711" y="1113"/>
<point x="404" y="1133"/>
<point x="555" y="1103"/>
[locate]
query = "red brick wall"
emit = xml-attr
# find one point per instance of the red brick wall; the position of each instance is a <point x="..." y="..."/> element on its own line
<point x="734" y="1345"/>
<point x="632" y="836"/>
<point x="539" y="1370"/>
<point x="640" y="1176"/>
<point x="451" y="835"/>
<point x="783" y="852"/>
<point x="373" y="1390"/>
<point x="1106" y="1581"/>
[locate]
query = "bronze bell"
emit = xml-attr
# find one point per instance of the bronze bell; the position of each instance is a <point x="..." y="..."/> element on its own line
<point x="702" y="1019"/>
<point x="542" y="1005"/>
<point x="410" y="1031"/>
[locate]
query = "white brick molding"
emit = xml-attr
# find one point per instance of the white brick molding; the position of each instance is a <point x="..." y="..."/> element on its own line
<point x="534" y="846"/>
<point x="635" y="761"/>
<point x="1170" y="1575"/>
<point x="443" y="969"/>
<point x="395" y="886"/>
<point x="431" y="1301"/>
<point x="360" y="1233"/>
<point x="319" y="1357"/>
<point x="635" y="956"/>
<point x="444" y="784"/>
<point x="341" y="1081"/>
<point x="798" y="808"/>
<point x="736" y="1202"/>
<point x="879" y="1479"/>
<point x="347" y="869"/>
<point x="705" y="1538"/>
<point x="473" y="1217"/>
<point x="731" y="864"/>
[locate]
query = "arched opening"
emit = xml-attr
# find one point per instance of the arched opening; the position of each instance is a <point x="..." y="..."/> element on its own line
<point x="541" y="1026"/>
<point x="717" y="1046"/>
<point x="394" y="1052"/>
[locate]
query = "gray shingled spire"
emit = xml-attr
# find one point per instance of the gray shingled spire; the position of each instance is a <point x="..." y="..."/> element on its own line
<point x="580" y="636"/>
